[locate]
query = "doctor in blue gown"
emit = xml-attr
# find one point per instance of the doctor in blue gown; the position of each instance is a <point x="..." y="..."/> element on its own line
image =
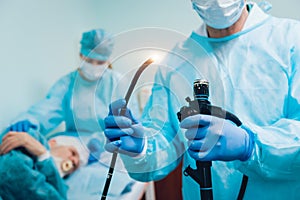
<point x="80" y="100"/>
<point x="252" y="61"/>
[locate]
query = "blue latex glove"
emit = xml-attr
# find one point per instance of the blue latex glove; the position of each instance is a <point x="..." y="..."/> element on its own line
<point x="125" y="133"/>
<point x="95" y="148"/>
<point x="21" y="126"/>
<point x="212" y="138"/>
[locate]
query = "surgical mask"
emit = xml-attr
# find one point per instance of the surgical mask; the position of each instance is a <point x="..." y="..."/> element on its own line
<point x="219" y="14"/>
<point x="92" y="72"/>
<point x="64" y="167"/>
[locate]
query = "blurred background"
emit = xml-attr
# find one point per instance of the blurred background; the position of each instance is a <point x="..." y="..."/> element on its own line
<point x="39" y="40"/>
<point x="39" y="43"/>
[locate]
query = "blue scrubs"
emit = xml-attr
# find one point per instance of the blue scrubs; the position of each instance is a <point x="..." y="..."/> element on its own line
<point x="23" y="177"/>
<point x="82" y="106"/>
<point x="254" y="74"/>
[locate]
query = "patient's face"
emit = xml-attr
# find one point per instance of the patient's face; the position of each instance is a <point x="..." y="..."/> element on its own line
<point x="66" y="158"/>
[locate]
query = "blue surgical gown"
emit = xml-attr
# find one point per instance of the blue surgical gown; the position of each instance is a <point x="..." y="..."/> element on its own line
<point x="24" y="177"/>
<point x="82" y="106"/>
<point x="254" y="74"/>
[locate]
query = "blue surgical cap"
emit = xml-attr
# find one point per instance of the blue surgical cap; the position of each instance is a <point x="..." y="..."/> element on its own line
<point x="96" y="44"/>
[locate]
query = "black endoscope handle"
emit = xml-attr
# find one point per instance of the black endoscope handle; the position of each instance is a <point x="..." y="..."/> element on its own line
<point x="206" y="189"/>
<point x="202" y="174"/>
<point x="201" y="105"/>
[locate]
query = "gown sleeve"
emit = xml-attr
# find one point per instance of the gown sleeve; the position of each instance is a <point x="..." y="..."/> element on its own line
<point x="48" y="113"/>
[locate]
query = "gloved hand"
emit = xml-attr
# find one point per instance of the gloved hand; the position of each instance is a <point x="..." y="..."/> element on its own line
<point x="212" y="138"/>
<point x="125" y="133"/>
<point x="21" y="126"/>
<point x="95" y="147"/>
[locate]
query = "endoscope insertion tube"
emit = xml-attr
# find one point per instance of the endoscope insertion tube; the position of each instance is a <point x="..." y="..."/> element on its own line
<point x="123" y="110"/>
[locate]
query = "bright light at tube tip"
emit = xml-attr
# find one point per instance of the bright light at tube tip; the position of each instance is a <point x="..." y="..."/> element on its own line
<point x="155" y="58"/>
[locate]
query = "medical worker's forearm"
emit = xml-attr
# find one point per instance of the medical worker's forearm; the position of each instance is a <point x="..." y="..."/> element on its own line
<point x="48" y="113"/>
<point x="276" y="153"/>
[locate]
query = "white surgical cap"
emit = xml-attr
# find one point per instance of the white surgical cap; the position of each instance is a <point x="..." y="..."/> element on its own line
<point x="75" y="142"/>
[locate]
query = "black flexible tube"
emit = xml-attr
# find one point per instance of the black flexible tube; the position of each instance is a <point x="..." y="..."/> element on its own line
<point x="123" y="111"/>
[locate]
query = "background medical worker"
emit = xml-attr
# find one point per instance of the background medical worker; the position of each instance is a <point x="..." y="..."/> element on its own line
<point x="80" y="100"/>
<point x="256" y="59"/>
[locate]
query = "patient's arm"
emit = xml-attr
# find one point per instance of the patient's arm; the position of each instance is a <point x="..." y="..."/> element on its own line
<point x="25" y="175"/>
<point x="14" y="140"/>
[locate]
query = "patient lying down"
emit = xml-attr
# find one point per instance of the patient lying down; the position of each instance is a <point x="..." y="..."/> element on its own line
<point x="33" y="168"/>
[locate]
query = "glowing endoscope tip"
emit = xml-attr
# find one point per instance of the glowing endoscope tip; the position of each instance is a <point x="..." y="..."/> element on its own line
<point x="154" y="57"/>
